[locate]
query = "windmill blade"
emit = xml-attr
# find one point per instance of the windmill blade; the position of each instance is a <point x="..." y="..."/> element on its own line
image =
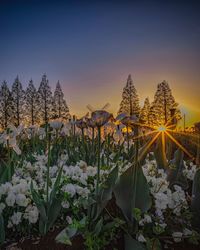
<point x="91" y="109"/>
<point x="106" y="106"/>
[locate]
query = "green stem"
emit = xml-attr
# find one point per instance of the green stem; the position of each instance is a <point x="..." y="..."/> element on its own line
<point x="99" y="154"/>
<point x="48" y="166"/>
<point x="93" y="158"/>
<point x="135" y="170"/>
<point x="127" y="138"/>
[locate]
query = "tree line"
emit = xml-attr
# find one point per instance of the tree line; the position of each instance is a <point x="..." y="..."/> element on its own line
<point x="31" y="106"/>
<point x="159" y="112"/>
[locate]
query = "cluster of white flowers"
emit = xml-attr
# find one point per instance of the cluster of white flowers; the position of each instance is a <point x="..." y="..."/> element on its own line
<point x="190" y="171"/>
<point x="16" y="194"/>
<point x="167" y="200"/>
<point x="164" y="196"/>
<point x="80" y="181"/>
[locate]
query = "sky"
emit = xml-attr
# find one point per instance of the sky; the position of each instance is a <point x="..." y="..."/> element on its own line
<point x="92" y="46"/>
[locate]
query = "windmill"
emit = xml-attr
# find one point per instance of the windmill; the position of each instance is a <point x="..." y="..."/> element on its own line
<point x="91" y="109"/>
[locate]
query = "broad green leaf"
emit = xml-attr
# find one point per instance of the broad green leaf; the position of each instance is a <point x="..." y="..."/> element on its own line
<point x="39" y="203"/>
<point x="153" y="244"/>
<point x="195" y="206"/>
<point x="98" y="227"/>
<point x="2" y="230"/>
<point x="159" y="156"/>
<point x="56" y="185"/>
<point x="132" y="191"/>
<point x="63" y="238"/>
<point x="53" y="212"/>
<point x="65" y="235"/>
<point x="132" y="244"/>
<point x="175" y="171"/>
<point x="105" y="193"/>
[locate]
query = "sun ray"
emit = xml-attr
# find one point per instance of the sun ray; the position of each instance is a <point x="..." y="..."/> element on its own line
<point x="144" y="135"/>
<point x="179" y="145"/>
<point x="148" y="145"/>
<point x="145" y="126"/>
<point x="184" y="133"/>
<point x="170" y="126"/>
<point x="163" y="144"/>
<point x="170" y="120"/>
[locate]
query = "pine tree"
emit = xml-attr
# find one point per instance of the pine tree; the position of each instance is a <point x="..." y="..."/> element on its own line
<point x="5" y="105"/>
<point x="145" y="112"/>
<point x="60" y="108"/>
<point x="31" y="104"/>
<point x="160" y="112"/>
<point x="18" y="99"/>
<point x="45" y="100"/>
<point x="130" y="100"/>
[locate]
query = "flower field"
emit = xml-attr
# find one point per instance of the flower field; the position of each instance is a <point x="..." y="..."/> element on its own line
<point x="99" y="181"/>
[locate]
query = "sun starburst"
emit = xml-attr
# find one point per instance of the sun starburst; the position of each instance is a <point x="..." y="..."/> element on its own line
<point x="167" y="133"/>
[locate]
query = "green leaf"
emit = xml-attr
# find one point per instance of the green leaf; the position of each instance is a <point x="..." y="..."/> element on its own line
<point x="2" y="230"/>
<point x="195" y="205"/>
<point x="105" y="193"/>
<point x="175" y="174"/>
<point x="98" y="227"/>
<point x="65" y="235"/>
<point x="132" y="191"/>
<point x="159" y="156"/>
<point x="132" y="244"/>
<point x="108" y="185"/>
<point x="53" y="212"/>
<point x="153" y="244"/>
<point x="63" y="238"/>
<point x="39" y="203"/>
<point x="137" y="214"/>
<point x="56" y="185"/>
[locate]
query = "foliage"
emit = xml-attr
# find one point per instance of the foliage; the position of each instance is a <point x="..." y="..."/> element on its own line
<point x="145" y="112"/>
<point x="163" y="102"/>
<point x="196" y="200"/>
<point x="175" y="171"/>
<point x="60" y="108"/>
<point x="18" y="101"/>
<point x="6" y="111"/>
<point x="32" y="104"/>
<point x="130" y="100"/>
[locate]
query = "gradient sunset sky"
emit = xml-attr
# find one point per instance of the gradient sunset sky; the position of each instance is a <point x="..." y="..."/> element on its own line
<point x="92" y="46"/>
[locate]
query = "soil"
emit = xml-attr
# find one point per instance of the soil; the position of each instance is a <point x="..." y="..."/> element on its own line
<point x="48" y="243"/>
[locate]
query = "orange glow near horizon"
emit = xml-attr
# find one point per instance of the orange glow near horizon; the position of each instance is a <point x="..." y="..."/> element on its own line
<point x="100" y="93"/>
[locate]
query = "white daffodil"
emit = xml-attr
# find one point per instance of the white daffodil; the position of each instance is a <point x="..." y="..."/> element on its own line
<point x="56" y="124"/>
<point x="8" y="138"/>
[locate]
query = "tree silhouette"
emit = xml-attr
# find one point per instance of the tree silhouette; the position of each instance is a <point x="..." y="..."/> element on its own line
<point x="32" y="104"/>
<point x="5" y="105"/>
<point x="60" y="108"/>
<point x="164" y="102"/>
<point x="145" y="112"/>
<point x="130" y="100"/>
<point x="18" y="99"/>
<point x="45" y="100"/>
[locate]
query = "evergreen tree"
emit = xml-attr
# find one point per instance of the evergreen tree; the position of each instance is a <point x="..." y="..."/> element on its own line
<point x="5" y="105"/>
<point x="18" y="99"/>
<point x="130" y="100"/>
<point x="145" y="112"/>
<point x="45" y="100"/>
<point x="160" y="112"/>
<point x="32" y="104"/>
<point x="60" y="108"/>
